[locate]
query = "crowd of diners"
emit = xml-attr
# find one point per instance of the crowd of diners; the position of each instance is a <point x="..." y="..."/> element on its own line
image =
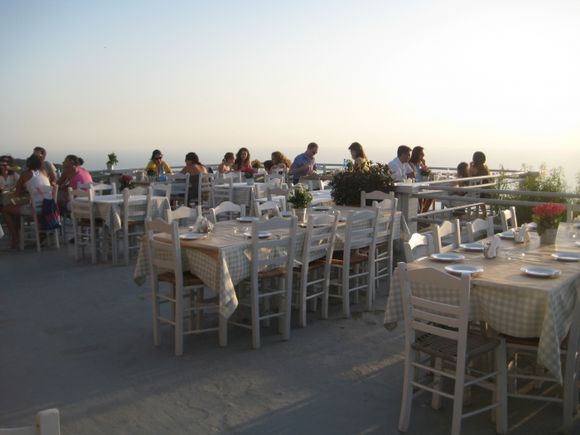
<point x="409" y="164"/>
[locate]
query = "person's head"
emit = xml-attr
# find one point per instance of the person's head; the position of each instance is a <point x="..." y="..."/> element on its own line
<point x="478" y="158"/>
<point x="417" y="154"/>
<point x="34" y="162"/>
<point x="404" y="153"/>
<point x="229" y="158"/>
<point x="40" y="152"/>
<point x="356" y="151"/>
<point x="71" y="161"/>
<point x="243" y="156"/>
<point x="192" y="158"/>
<point x="312" y="149"/>
<point x="463" y="170"/>
<point x="268" y="165"/>
<point x="81" y="161"/>
<point x="157" y="156"/>
<point x="7" y="162"/>
<point x="279" y="158"/>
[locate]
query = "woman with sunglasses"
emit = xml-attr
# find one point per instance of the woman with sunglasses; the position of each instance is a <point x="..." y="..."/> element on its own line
<point x="8" y="174"/>
<point x="157" y="167"/>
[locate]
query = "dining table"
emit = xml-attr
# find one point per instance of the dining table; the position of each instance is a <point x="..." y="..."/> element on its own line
<point x="221" y="260"/>
<point x="527" y="291"/>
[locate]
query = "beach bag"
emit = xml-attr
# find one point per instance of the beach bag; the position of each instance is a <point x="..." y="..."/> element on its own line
<point x="49" y="218"/>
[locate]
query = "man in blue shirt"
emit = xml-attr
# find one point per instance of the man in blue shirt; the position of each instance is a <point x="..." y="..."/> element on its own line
<point x="304" y="163"/>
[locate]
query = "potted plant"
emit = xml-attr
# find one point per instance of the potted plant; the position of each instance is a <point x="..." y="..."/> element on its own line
<point x="249" y="174"/>
<point x="112" y="162"/>
<point x="548" y="216"/>
<point x="126" y="182"/>
<point x="300" y="198"/>
<point x="348" y="184"/>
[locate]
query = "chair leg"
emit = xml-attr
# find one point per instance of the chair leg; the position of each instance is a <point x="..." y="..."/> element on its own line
<point x="407" y="397"/>
<point x="345" y="292"/>
<point x="302" y="300"/>
<point x="287" y="300"/>
<point x="458" y="396"/>
<point x="501" y="388"/>
<point x="325" y="296"/>
<point x="255" y="309"/>
<point x="437" y="384"/>
<point x="178" y="323"/>
<point x="223" y="330"/>
<point x="155" y="306"/>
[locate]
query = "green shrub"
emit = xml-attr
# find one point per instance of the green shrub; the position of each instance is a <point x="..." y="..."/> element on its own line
<point x="347" y="185"/>
<point x="543" y="181"/>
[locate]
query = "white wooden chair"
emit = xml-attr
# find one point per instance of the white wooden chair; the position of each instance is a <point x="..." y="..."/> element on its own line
<point x="222" y="192"/>
<point x="133" y="222"/>
<point x="99" y="188"/>
<point x="313" y="271"/>
<point x="88" y="231"/>
<point x="179" y="188"/>
<point x="354" y="265"/>
<point x="479" y="229"/>
<point x="47" y="423"/>
<point x="311" y="184"/>
<point x="418" y="246"/>
<point x="384" y="240"/>
<point x="269" y="208"/>
<point x="375" y="195"/>
<point x="161" y="189"/>
<point x="446" y="236"/>
<point x="30" y="226"/>
<point x="166" y="267"/>
<point x="280" y="195"/>
<point x="271" y="265"/>
<point x="233" y="177"/>
<point x="205" y="184"/>
<point x="529" y="380"/>
<point x="439" y="329"/>
<point x="185" y="216"/>
<point x="226" y="209"/>
<point x="508" y="218"/>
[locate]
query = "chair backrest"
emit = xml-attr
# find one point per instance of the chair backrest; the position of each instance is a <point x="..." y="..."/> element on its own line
<point x="232" y="177"/>
<point x="227" y="210"/>
<point x="164" y="254"/>
<point x="47" y="423"/>
<point x="134" y="210"/>
<point x="271" y="208"/>
<point x="319" y="238"/>
<point x="479" y="229"/>
<point x="185" y="216"/>
<point x="386" y="221"/>
<point x="418" y="246"/>
<point x="179" y="186"/>
<point x="273" y="252"/>
<point x="141" y="190"/>
<point x="435" y="303"/>
<point x="280" y="195"/>
<point x="161" y="189"/>
<point x="446" y="236"/>
<point x="223" y="192"/>
<point x="205" y="183"/>
<point x="361" y="231"/>
<point x="99" y="188"/>
<point x="81" y="203"/>
<point x="508" y="219"/>
<point x="311" y="184"/>
<point x="375" y="195"/>
<point x="281" y="176"/>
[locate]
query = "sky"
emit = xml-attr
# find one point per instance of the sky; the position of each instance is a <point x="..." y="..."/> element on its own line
<point x="94" y="77"/>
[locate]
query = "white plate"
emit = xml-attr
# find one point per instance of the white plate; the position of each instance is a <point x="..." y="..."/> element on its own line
<point x="566" y="256"/>
<point x="476" y="247"/>
<point x="541" y="272"/>
<point x="447" y="256"/>
<point x="192" y="236"/>
<point x="507" y="235"/>
<point x="261" y="234"/>
<point x="286" y="214"/>
<point x="321" y="208"/>
<point x="463" y="269"/>
<point x="247" y="219"/>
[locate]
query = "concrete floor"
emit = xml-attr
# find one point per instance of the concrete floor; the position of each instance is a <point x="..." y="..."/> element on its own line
<point x="78" y="337"/>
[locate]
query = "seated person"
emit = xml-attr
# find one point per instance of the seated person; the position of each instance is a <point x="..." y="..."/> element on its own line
<point x="268" y="166"/>
<point x="359" y="158"/>
<point x="304" y="164"/>
<point x="49" y="168"/>
<point x="8" y="174"/>
<point x="227" y="164"/>
<point x="72" y="175"/>
<point x="193" y="167"/>
<point x="157" y="167"/>
<point x="33" y="177"/>
<point x="243" y="162"/>
<point x="399" y="166"/>
<point x="280" y="163"/>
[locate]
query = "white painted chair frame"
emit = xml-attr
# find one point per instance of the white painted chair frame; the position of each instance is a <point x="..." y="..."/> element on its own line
<point x="47" y="423"/>
<point x="227" y="208"/>
<point x="419" y="245"/>
<point x="508" y="218"/>
<point x="446" y="230"/>
<point x="479" y="229"/>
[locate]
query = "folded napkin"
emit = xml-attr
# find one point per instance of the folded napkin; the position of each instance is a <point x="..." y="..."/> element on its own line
<point x="490" y="248"/>
<point x="202" y="225"/>
<point x="521" y="235"/>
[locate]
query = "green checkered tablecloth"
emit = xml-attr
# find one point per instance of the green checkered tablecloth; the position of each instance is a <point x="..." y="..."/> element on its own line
<point x="511" y="302"/>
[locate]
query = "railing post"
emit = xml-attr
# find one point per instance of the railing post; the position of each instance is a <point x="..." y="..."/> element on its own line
<point x="408" y="203"/>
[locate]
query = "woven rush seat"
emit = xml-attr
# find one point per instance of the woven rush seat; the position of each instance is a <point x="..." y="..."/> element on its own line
<point x="188" y="278"/>
<point x="273" y="273"/>
<point x="355" y="258"/>
<point x="446" y="349"/>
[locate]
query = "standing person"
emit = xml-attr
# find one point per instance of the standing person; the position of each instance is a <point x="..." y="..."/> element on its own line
<point x="8" y="174"/>
<point x="399" y="166"/>
<point x="49" y="168"/>
<point x="72" y="175"/>
<point x="359" y="158"/>
<point x="304" y="164"/>
<point x="157" y="167"/>
<point x="31" y="179"/>
<point x="227" y="164"/>
<point x="279" y="162"/>
<point x="478" y="168"/>
<point x="243" y="162"/>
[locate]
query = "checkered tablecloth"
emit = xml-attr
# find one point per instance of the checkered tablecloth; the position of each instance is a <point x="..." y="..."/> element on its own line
<point x="511" y="302"/>
<point x="109" y="208"/>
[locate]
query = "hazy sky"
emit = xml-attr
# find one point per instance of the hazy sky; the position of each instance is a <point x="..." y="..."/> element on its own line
<point x="91" y="77"/>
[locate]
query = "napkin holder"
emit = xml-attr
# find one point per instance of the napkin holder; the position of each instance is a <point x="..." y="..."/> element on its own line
<point x="490" y="248"/>
<point x="521" y="235"/>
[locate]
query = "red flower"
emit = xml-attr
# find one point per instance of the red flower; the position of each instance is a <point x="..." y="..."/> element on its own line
<point x="548" y="215"/>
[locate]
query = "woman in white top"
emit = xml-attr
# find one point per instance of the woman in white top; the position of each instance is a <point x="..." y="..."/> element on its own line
<point x="32" y="182"/>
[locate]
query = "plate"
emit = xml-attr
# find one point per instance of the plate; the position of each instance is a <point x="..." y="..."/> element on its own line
<point x="447" y="256"/>
<point x="566" y="256"/>
<point x="463" y="269"/>
<point x="261" y="234"/>
<point x="577" y="243"/>
<point x="192" y="236"/>
<point x="476" y="247"/>
<point x="247" y="219"/>
<point x="321" y="208"/>
<point x="541" y="272"/>
<point x="507" y="235"/>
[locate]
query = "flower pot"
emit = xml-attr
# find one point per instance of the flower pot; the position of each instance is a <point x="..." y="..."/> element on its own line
<point x="111" y="166"/>
<point x="300" y="214"/>
<point x="250" y="181"/>
<point x="548" y="237"/>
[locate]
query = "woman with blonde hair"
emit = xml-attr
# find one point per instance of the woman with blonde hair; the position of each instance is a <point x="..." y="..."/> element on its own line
<point x="279" y="162"/>
<point x="227" y="164"/>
